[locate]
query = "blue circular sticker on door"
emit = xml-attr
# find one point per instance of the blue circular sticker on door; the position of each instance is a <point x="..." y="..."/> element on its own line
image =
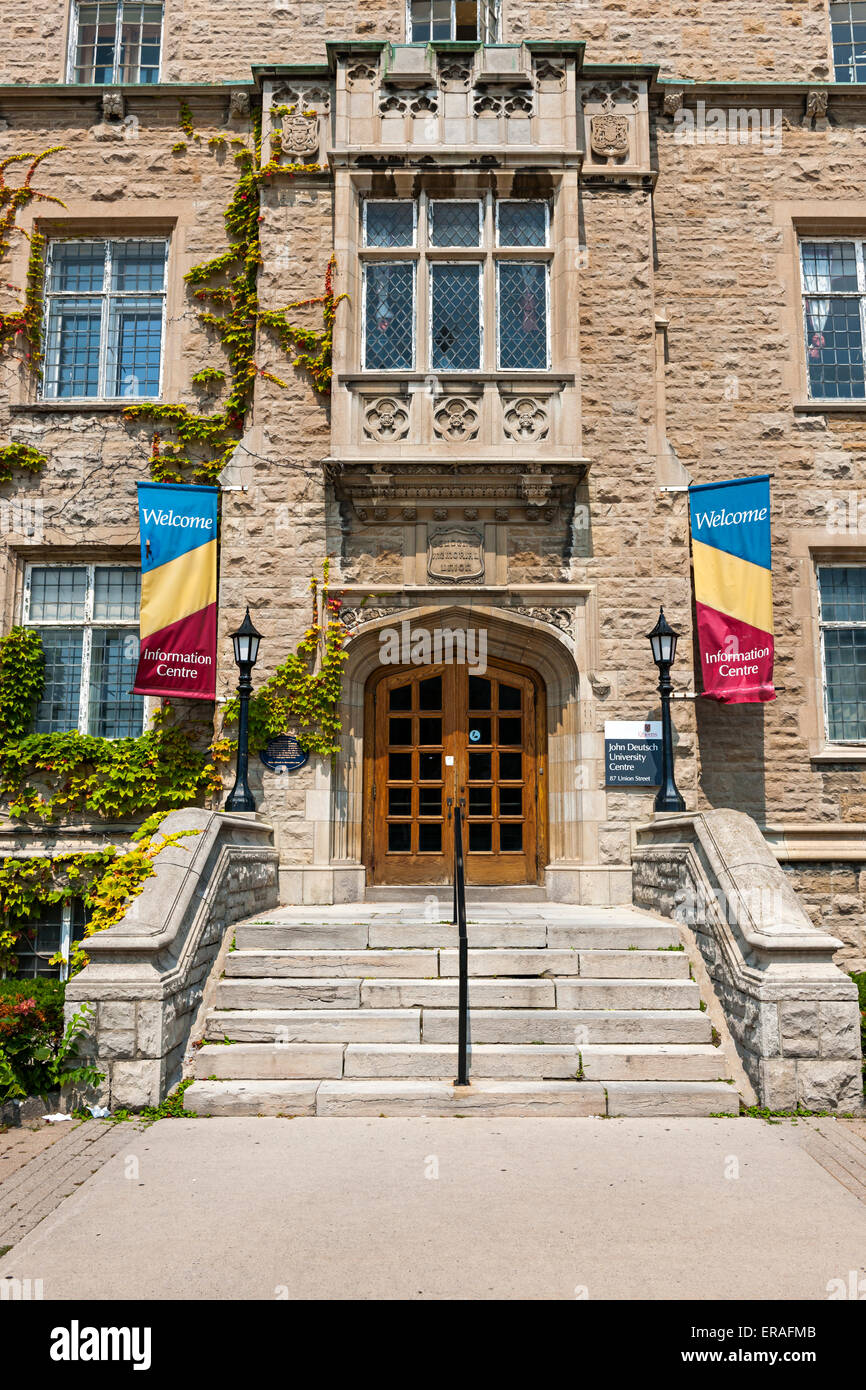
<point x="474" y="735"/>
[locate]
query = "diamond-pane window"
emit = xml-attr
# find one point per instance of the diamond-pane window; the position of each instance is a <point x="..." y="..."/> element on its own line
<point x="834" y="300"/>
<point x="842" y="590"/>
<point x="105" y="302"/>
<point x="114" y="41"/>
<point x="456" y="223"/>
<point x="455" y="318"/>
<point x="848" y="30"/>
<point x="87" y="618"/>
<point x="522" y="316"/>
<point x="389" y="223"/>
<point x="521" y="222"/>
<point x="389" y="316"/>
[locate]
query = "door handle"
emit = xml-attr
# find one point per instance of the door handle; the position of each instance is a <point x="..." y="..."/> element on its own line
<point x="448" y="802"/>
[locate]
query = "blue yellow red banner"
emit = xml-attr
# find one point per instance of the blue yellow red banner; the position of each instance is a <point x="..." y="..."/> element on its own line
<point x="178" y="526"/>
<point x="732" y="564"/>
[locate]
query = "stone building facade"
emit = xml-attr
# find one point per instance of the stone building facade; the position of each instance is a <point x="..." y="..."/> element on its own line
<point x="570" y="269"/>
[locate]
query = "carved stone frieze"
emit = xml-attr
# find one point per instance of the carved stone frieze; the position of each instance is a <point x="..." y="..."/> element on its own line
<point x="361" y="74"/>
<point x="548" y="74"/>
<point x="386" y="418"/>
<point x="562" y="618"/>
<point x="354" y="617"/>
<point x="456" y="418"/>
<point x="526" y="419"/>
<point x="508" y="102"/>
<point x="609" y="132"/>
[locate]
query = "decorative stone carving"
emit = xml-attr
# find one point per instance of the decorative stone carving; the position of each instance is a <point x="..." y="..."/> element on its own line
<point x="360" y="72"/>
<point x="563" y="618"/>
<point x="456" y="418"/>
<point x="409" y="104"/>
<point x="455" y="74"/>
<point x="526" y="419"/>
<point x="385" y="419"/>
<point x="300" y="134"/>
<point x="816" y="111"/>
<point x="455" y="555"/>
<point x="440" y="513"/>
<point x="673" y="102"/>
<point x="113" y="106"/>
<point x="536" y="488"/>
<point x="354" y="617"/>
<point x="507" y="103"/>
<point x="609" y="131"/>
<point x="239" y="105"/>
<point x="500" y="514"/>
<point x="547" y="74"/>
<point x="470" y="513"/>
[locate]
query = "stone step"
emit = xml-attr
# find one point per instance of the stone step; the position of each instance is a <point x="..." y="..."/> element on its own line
<point x="643" y="933"/>
<point x="663" y="965"/>
<point x="315" y="1025"/>
<point x="391" y="934"/>
<point x="269" y="1061"/>
<point x="480" y="896"/>
<point x="641" y="1062"/>
<point x="304" y="936"/>
<point x="566" y="1026"/>
<point x="627" y="994"/>
<point x="397" y="1097"/>
<point x="413" y="965"/>
<point x="442" y="994"/>
<point x="289" y="994"/>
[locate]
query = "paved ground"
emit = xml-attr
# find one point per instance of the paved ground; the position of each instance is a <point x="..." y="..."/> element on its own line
<point x="437" y="1209"/>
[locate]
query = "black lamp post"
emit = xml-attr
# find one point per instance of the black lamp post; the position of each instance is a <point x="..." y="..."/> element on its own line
<point x="663" y="641"/>
<point x="246" y="644"/>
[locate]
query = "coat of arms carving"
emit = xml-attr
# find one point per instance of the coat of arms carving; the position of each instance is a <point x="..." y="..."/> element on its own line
<point x="609" y="131"/>
<point x="455" y="555"/>
<point x="301" y="134"/>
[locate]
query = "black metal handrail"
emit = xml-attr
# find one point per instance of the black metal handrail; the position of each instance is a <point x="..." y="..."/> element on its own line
<point x="463" y="953"/>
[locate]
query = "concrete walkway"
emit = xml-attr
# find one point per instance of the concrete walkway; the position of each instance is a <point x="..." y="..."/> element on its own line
<point x="438" y="1209"/>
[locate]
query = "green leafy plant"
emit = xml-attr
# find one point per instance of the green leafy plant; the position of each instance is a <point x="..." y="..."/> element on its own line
<point x="20" y="456"/>
<point x="37" y="1055"/>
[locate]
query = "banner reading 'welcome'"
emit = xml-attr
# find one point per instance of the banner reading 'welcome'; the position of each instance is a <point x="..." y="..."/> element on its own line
<point x="178" y="590"/>
<point x="734" y="588"/>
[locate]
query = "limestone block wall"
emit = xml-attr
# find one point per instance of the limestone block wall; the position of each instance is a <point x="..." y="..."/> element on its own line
<point x="782" y="39"/>
<point x="834" y="895"/>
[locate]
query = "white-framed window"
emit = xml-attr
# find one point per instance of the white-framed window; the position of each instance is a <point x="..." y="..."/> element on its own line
<point x="833" y="276"/>
<point x="434" y="269"/>
<point x="104" y="318"/>
<point x="467" y="20"/>
<point x="842" y="617"/>
<point x="115" y="41"/>
<point x="87" y="618"/>
<point x="56" y="928"/>
<point x="848" y="30"/>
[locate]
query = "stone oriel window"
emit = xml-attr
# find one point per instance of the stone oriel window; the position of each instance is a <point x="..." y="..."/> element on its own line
<point x="87" y="617"/>
<point x="834" y="317"/>
<point x="113" y="41"/>
<point x="104" y="312"/>
<point x="54" y="930"/>
<point x="848" y="29"/>
<point x="842" y="610"/>
<point x="456" y="284"/>
<point x="453" y="19"/>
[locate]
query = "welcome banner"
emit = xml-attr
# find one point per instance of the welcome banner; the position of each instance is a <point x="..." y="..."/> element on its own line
<point x="734" y="588"/>
<point x="178" y="526"/>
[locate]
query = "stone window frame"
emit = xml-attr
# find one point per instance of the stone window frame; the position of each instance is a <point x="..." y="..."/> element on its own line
<point x="834" y="237"/>
<point x="489" y="253"/>
<point x="831" y="20"/>
<point x="484" y="10"/>
<point x="117" y="78"/>
<point x="72" y="922"/>
<point x="86" y="624"/>
<point x="106" y="295"/>
<point x="838" y="562"/>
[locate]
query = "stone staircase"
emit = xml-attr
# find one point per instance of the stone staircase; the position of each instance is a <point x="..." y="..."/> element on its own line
<point x="352" y="1010"/>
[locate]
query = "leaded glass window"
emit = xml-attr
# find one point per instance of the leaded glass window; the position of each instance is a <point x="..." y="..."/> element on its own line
<point x="115" y="41"/>
<point x="455" y="222"/>
<point x="522" y="222"/>
<point x="87" y="618"/>
<point x="848" y="29"/>
<point x="842" y="597"/>
<point x="389" y="222"/>
<point x="455" y="317"/>
<point x="834" y="290"/>
<point x="389" y="316"/>
<point x="522" y="304"/>
<point x="105" y="305"/>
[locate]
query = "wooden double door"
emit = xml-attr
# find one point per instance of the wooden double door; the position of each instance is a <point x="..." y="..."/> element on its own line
<point x="442" y="736"/>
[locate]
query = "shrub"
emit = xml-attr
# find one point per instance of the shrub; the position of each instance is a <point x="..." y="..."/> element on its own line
<point x="36" y="1055"/>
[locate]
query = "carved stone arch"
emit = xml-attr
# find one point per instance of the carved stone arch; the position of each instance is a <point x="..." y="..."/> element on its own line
<point x="522" y="640"/>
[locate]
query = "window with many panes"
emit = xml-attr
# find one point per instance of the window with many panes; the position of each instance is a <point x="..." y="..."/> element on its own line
<point x="104" y="313"/>
<point x="842" y="602"/>
<point x="38" y="939"/>
<point x="834" y="317"/>
<point x="455" y="284"/>
<point x="114" y="41"/>
<point x="848" y="28"/>
<point x="453" y="19"/>
<point x="87" y="617"/>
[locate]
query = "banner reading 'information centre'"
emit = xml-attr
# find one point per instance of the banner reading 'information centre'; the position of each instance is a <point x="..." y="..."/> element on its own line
<point x="177" y="631"/>
<point x="734" y="588"/>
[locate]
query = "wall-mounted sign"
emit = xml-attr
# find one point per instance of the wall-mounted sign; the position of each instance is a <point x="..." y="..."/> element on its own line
<point x="284" y="754"/>
<point x="632" y="753"/>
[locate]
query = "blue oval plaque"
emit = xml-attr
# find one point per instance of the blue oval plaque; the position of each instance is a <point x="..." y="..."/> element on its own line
<point x="284" y="754"/>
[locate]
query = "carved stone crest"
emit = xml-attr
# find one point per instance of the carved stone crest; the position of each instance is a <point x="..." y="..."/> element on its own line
<point x="455" y="555"/>
<point x="526" y="420"/>
<point x="386" y="418"/>
<point x="300" y="134"/>
<point x="456" y="418"/>
<point x="239" y="104"/>
<point x="609" y="131"/>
